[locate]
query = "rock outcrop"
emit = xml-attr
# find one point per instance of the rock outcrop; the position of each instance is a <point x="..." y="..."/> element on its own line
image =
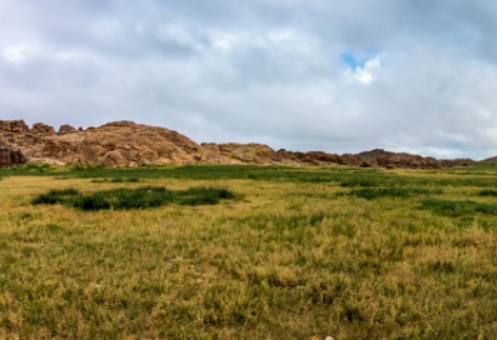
<point x="124" y="143"/>
<point x="120" y="144"/>
<point x="65" y="129"/>
<point x="20" y="143"/>
<point x="10" y="156"/>
<point x="16" y="126"/>
<point x="386" y="159"/>
<point x="248" y="153"/>
<point x="41" y="128"/>
<point x="458" y="162"/>
<point x="317" y="158"/>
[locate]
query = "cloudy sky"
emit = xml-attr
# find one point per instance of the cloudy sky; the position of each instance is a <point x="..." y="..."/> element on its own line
<point x="340" y="76"/>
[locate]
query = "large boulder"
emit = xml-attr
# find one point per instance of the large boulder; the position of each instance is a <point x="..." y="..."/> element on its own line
<point x="65" y="129"/>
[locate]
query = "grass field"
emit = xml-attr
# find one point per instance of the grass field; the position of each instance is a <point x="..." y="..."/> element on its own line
<point x="248" y="252"/>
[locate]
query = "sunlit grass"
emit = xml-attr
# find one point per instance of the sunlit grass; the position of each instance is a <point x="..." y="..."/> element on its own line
<point x="289" y="260"/>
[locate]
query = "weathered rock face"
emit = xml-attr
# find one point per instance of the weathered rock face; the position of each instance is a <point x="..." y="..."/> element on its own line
<point x="450" y="163"/>
<point x="10" y="156"/>
<point x="120" y="144"/>
<point x="318" y="158"/>
<point x="211" y="153"/>
<point x="13" y="126"/>
<point x="65" y="129"/>
<point x="382" y="158"/>
<point x="17" y="133"/>
<point x="41" y="128"/>
<point x="250" y="153"/>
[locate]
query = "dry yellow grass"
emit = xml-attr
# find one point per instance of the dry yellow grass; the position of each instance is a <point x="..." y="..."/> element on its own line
<point x="289" y="261"/>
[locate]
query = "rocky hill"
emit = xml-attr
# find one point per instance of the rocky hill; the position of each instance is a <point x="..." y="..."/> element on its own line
<point x="490" y="161"/>
<point x="126" y="144"/>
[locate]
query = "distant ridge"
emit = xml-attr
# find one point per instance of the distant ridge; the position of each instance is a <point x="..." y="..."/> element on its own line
<point x="490" y="161"/>
<point x="127" y="144"/>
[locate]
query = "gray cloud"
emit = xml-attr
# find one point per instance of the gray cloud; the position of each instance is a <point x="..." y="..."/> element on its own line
<point x="336" y="76"/>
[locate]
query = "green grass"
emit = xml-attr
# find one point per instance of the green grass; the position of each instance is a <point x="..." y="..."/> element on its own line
<point x="338" y="175"/>
<point x="140" y="198"/>
<point x="291" y="255"/>
<point x="361" y="182"/>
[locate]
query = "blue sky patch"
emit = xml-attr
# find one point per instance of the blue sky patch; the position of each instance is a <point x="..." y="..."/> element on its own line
<point x="359" y="59"/>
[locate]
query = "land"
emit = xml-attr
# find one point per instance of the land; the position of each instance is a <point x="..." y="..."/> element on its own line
<point x="285" y="253"/>
<point x="127" y="144"/>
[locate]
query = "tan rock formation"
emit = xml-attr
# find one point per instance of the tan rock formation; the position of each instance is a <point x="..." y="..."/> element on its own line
<point x="211" y="153"/>
<point x="65" y="129"/>
<point x="318" y="158"/>
<point x="118" y="144"/>
<point x="250" y="153"/>
<point x="382" y="158"/>
<point x="41" y="128"/>
<point x="17" y="126"/>
<point x="124" y="143"/>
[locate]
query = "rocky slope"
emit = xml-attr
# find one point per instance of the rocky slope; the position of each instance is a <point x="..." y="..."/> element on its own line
<point x="126" y="144"/>
<point x="382" y="158"/>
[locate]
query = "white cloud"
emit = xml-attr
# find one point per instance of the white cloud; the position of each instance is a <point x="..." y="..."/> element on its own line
<point x="224" y="42"/>
<point x="15" y="54"/>
<point x="262" y="71"/>
<point x="365" y="74"/>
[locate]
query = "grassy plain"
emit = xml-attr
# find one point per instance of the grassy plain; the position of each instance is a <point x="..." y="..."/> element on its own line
<point x="301" y="253"/>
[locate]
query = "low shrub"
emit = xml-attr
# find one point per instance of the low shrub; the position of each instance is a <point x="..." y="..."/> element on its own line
<point x="140" y="198"/>
<point x="55" y="196"/>
<point x="488" y="193"/>
<point x="199" y="196"/>
<point x="117" y="180"/>
<point x="391" y="192"/>
<point x="458" y="208"/>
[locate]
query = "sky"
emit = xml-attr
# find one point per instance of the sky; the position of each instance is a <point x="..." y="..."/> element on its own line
<point x="417" y="76"/>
